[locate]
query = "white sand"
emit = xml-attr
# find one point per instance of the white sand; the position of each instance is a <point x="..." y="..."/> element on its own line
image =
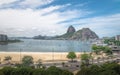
<point x="45" y="56"/>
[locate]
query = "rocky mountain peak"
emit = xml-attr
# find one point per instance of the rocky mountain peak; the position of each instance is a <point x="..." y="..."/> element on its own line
<point x="72" y="34"/>
<point x="85" y="28"/>
<point x="71" y="29"/>
<point x="85" y="34"/>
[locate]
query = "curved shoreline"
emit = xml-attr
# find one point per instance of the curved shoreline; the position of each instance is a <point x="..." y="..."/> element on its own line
<point x="44" y="56"/>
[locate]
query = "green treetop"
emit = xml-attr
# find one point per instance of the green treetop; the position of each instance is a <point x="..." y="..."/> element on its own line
<point x="71" y="55"/>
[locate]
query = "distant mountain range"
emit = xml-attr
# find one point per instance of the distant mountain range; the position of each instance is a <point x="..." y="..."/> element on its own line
<point x="72" y="34"/>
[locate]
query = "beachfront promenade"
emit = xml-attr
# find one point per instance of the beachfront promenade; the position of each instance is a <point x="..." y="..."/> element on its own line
<point x="55" y="59"/>
<point x="71" y="66"/>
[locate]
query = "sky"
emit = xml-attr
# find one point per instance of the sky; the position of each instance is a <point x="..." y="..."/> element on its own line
<point x="52" y="17"/>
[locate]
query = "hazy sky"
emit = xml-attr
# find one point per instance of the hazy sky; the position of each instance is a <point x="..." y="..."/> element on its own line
<point x="52" y="17"/>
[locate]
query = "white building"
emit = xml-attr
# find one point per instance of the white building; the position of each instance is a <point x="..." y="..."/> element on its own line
<point x="99" y="42"/>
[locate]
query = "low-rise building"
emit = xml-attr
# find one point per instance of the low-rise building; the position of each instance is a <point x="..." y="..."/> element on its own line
<point x="115" y="50"/>
<point x="99" y="42"/>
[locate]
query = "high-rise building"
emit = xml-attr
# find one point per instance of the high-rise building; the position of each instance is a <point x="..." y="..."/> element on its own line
<point x="3" y="37"/>
<point x="117" y="37"/>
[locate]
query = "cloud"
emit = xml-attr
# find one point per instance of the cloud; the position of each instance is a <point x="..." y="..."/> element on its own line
<point x="6" y="1"/>
<point x="23" y="4"/>
<point x="108" y="25"/>
<point x="27" y="20"/>
<point x="30" y="22"/>
<point x="35" y="3"/>
<point x="51" y="21"/>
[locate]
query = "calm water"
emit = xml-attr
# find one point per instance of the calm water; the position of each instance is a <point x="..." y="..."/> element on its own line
<point x="30" y="45"/>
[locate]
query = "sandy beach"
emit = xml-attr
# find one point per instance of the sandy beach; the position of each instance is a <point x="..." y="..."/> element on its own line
<point x="44" y="56"/>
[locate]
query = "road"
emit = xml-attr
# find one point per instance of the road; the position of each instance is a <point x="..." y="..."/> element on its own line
<point x="71" y="66"/>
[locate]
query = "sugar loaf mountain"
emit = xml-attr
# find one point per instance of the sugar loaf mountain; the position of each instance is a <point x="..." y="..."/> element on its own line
<point x="72" y="34"/>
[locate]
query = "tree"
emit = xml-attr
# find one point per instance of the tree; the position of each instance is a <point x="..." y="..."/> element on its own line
<point x="85" y="58"/>
<point x="63" y="64"/>
<point x="1" y="73"/>
<point x="84" y="71"/>
<point x="8" y="58"/>
<point x="24" y="71"/>
<point x="0" y="60"/>
<point x="100" y="50"/>
<point x="27" y="60"/>
<point x="39" y="72"/>
<point x="39" y="63"/>
<point x="95" y="49"/>
<point x="53" y="70"/>
<point x="92" y="58"/>
<point x="111" y="66"/>
<point x="108" y="50"/>
<point x="7" y="70"/>
<point x="112" y="42"/>
<point x="66" y="72"/>
<point x="98" y="58"/>
<point x="71" y="55"/>
<point x="103" y="69"/>
<point x="92" y="70"/>
<point x="108" y="72"/>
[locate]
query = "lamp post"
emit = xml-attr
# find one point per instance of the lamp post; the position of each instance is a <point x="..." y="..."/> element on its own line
<point x="20" y="55"/>
<point x="53" y="54"/>
<point x="61" y="52"/>
<point x="0" y="60"/>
